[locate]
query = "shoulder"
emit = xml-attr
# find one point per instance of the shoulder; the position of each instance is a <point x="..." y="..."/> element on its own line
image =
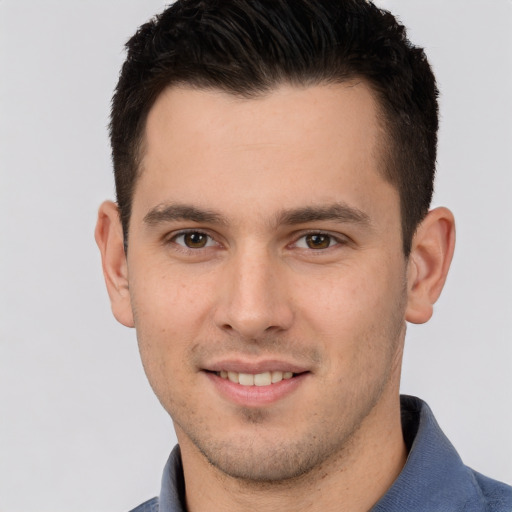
<point x="496" y="495"/>
<point x="147" y="506"/>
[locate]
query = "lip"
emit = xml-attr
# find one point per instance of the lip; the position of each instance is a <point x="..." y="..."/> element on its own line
<point x="255" y="396"/>
<point x="254" y="367"/>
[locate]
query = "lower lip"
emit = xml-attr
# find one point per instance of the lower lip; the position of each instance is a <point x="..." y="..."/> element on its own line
<point x="255" y="396"/>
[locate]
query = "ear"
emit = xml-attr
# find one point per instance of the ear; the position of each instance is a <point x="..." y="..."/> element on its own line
<point x="109" y="237"/>
<point x="431" y="254"/>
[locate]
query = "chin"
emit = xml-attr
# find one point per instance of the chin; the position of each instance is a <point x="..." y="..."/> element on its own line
<point x="260" y="460"/>
<point x="263" y="468"/>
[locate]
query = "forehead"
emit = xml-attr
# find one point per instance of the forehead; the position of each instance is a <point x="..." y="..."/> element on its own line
<point x="293" y="145"/>
<point x="283" y="115"/>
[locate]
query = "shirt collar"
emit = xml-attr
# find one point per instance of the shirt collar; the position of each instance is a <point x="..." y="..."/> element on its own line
<point x="433" y="478"/>
<point x="172" y="493"/>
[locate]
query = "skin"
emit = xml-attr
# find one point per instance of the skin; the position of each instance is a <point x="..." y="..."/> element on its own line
<point x="255" y="181"/>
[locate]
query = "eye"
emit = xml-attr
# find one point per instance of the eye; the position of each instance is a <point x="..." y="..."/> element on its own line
<point x="316" y="241"/>
<point x="193" y="240"/>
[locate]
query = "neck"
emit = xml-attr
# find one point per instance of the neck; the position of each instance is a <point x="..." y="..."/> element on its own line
<point x="352" y="480"/>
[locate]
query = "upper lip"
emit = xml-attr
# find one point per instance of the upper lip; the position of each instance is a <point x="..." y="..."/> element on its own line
<point x="255" y="367"/>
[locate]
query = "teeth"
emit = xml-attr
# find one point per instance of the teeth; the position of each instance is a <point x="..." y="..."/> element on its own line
<point x="277" y="377"/>
<point x="246" y="379"/>
<point x="263" y="379"/>
<point x="259" y="379"/>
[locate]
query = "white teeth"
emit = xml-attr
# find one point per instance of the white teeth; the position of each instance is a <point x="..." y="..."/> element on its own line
<point x="277" y="377"/>
<point x="259" y="379"/>
<point x="263" y="379"/>
<point x="246" y="379"/>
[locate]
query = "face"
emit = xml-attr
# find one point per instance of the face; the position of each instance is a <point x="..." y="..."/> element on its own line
<point x="266" y="276"/>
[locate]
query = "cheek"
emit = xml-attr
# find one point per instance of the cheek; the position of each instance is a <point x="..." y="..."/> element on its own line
<point x="339" y="300"/>
<point x="356" y="309"/>
<point x="166" y="298"/>
<point x="165" y="322"/>
<point x="169" y="314"/>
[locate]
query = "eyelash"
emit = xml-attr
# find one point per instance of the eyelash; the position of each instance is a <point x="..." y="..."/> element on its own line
<point x="334" y="241"/>
<point x="184" y="247"/>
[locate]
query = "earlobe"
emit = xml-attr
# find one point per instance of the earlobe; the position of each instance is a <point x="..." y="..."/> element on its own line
<point x="431" y="254"/>
<point x="109" y="237"/>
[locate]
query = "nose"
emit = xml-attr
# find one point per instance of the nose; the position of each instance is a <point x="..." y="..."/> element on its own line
<point x="253" y="299"/>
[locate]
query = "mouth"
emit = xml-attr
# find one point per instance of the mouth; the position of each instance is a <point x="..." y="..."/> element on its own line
<point x="256" y="379"/>
<point x="256" y="385"/>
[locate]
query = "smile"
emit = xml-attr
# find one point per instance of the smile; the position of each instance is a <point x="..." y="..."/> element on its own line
<point x="258" y="379"/>
<point x="254" y="387"/>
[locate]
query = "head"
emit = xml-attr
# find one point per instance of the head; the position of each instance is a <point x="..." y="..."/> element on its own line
<point x="274" y="165"/>
<point x="249" y="48"/>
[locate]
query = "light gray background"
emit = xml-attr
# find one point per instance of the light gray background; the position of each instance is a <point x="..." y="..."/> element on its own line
<point x="79" y="427"/>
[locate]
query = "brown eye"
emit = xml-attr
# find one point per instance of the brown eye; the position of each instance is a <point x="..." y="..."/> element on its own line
<point x="318" y="241"/>
<point x="193" y="240"/>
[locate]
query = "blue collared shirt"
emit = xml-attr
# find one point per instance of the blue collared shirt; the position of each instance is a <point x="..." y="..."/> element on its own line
<point x="434" y="479"/>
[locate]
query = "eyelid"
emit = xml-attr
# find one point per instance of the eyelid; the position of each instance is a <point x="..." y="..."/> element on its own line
<point x="338" y="238"/>
<point x="171" y="238"/>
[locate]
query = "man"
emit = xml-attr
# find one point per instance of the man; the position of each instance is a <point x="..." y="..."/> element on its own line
<point x="274" y="165"/>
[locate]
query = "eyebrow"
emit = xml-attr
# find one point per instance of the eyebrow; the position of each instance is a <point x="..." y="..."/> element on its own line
<point x="338" y="212"/>
<point x="173" y="212"/>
